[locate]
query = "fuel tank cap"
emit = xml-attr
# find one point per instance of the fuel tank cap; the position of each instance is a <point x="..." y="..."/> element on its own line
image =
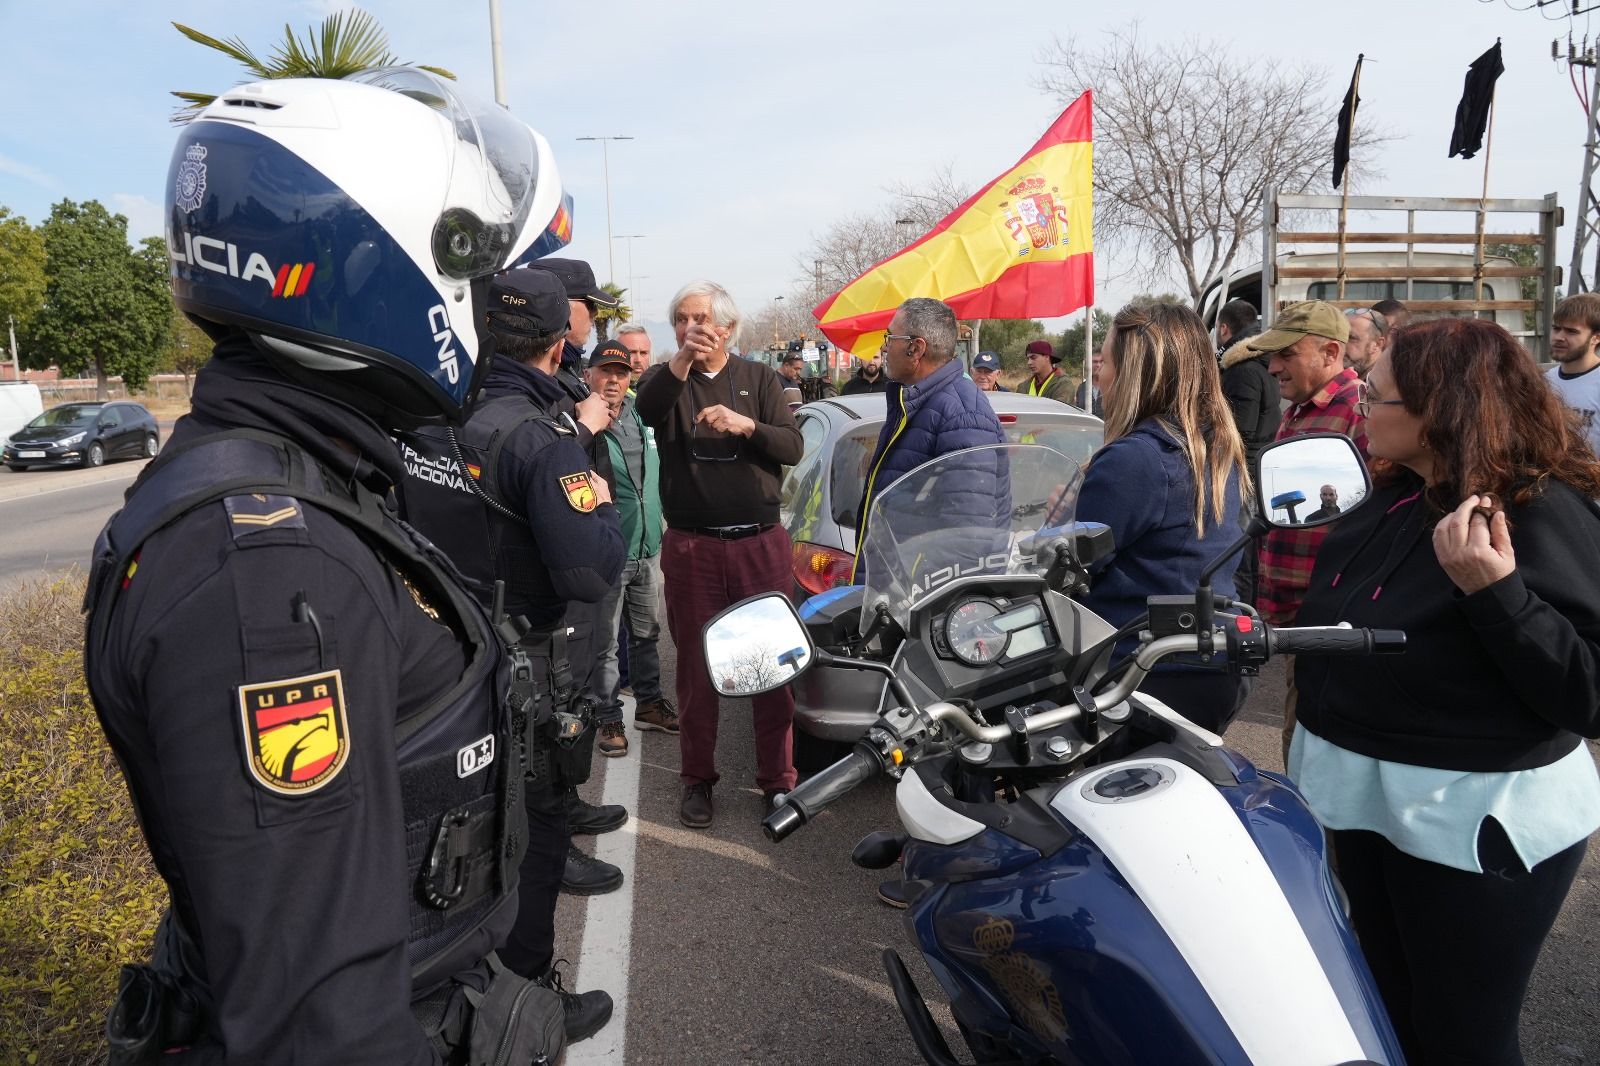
<point x="1128" y="783"/>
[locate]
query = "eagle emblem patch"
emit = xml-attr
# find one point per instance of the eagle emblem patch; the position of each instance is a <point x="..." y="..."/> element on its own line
<point x="296" y="739"/>
<point x="580" y="494"/>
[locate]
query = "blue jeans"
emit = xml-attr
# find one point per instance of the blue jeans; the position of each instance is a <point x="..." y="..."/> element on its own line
<point x="638" y="593"/>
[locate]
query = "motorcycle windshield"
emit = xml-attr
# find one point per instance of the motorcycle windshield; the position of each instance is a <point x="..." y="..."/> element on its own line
<point x="976" y="511"/>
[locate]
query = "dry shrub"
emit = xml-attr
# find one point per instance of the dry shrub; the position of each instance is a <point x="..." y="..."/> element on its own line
<point x="78" y="894"/>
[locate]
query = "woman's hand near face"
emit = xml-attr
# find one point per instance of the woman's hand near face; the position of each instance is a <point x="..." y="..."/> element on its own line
<point x="1474" y="551"/>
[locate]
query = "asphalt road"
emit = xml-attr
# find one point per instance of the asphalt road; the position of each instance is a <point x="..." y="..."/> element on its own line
<point x="735" y="950"/>
<point x="49" y="518"/>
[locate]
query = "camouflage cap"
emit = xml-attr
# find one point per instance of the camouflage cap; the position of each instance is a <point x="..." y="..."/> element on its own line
<point x="1311" y="318"/>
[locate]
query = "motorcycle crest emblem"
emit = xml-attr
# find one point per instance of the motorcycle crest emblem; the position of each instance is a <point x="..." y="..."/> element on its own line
<point x="192" y="178"/>
<point x="296" y="739"/>
<point x="1034" y="217"/>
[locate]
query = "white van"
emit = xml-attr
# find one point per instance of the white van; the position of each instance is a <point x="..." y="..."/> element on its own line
<point x="20" y="403"/>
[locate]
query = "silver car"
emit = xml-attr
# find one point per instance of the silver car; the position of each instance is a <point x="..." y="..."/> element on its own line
<point x="820" y="495"/>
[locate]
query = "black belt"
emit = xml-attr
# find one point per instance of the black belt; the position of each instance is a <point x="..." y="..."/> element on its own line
<point x="730" y="532"/>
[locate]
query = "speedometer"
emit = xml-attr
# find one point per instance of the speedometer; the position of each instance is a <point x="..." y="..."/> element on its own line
<point x="974" y="638"/>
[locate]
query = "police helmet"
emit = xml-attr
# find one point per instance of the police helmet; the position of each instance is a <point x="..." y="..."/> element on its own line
<point x="351" y="227"/>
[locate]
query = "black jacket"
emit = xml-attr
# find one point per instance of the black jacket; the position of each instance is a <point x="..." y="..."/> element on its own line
<point x="859" y="384"/>
<point x="1253" y="396"/>
<point x="1504" y="679"/>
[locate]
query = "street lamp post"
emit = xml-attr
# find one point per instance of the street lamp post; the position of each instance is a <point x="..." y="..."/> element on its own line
<point x="775" y="300"/>
<point x="630" y="238"/>
<point x="605" y="158"/>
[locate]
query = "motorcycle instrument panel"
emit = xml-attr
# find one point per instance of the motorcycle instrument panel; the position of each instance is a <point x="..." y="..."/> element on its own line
<point x="983" y="631"/>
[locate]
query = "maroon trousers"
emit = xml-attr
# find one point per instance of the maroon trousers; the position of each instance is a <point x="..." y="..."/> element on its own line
<point x="703" y="575"/>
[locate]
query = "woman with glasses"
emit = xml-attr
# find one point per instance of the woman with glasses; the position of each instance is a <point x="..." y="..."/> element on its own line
<point x="1168" y="482"/>
<point x="1455" y="785"/>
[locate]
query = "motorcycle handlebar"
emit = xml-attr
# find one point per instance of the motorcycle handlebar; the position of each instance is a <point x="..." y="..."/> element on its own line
<point x="1334" y="640"/>
<point x="810" y="796"/>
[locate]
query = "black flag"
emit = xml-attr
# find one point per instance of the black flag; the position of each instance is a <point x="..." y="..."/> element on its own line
<point x="1472" y="113"/>
<point x="1347" y="121"/>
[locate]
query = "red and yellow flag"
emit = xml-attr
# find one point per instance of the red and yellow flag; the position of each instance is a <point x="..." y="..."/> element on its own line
<point x="1021" y="247"/>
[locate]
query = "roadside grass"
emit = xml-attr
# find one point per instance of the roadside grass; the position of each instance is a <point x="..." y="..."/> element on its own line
<point x="78" y="894"/>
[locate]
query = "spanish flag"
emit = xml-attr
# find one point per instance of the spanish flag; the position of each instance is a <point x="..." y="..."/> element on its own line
<point x="1021" y="247"/>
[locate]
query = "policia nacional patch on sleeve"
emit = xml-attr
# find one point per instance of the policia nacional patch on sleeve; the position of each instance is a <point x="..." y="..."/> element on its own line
<point x="296" y="739"/>
<point x="580" y="494"/>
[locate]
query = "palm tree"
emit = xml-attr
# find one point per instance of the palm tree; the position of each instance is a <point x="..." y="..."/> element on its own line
<point x="605" y="316"/>
<point x="350" y="42"/>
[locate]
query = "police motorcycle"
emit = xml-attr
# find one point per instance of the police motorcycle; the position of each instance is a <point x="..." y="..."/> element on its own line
<point x="1092" y="878"/>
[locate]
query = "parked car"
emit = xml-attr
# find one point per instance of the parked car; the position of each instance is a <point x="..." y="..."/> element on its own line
<point x="819" y="498"/>
<point x="84" y="434"/>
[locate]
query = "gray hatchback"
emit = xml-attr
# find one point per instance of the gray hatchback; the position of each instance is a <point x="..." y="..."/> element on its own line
<point x="820" y="495"/>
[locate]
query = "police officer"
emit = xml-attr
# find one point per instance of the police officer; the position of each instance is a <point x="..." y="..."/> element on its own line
<point x="584" y="297"/>
<point x="309" y="710"/>
<point x="537" y="518"/>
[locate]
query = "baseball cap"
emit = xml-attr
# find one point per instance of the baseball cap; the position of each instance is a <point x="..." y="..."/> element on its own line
<point x="610" y="352"/>
<point x="528" y="302"/>
<point x="986" y="361"/>
<point x="1043" y="348"/>
<point x="1311" y="318"/>
<point x="577" y="277"/>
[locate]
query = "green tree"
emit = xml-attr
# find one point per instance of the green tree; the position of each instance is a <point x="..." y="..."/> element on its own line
<point x="348" y="43"/>
<point x="107" y="308"/>
<point x="187" y="349"/>
<point x="1009" y="336"/>
<point x="22" y="264"/>
<point x="606" y="317"/>
<point x="1070" y="343"/>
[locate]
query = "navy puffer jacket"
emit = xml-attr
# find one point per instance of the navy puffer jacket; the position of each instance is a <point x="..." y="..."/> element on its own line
<point x="943" y="413"/>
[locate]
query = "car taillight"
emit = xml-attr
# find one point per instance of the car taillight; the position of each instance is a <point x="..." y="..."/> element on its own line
<point x="818" y="568"/>
<point x="1007" y="420"/>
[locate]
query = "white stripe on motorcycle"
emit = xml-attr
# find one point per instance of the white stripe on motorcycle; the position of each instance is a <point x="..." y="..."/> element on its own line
<point x="1186" y="855"/>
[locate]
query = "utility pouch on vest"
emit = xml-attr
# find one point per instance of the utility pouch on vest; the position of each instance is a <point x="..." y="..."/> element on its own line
<point x="571" y="735"/>
<point x="151" y="1014"/>
<point x="515" y="1020"/>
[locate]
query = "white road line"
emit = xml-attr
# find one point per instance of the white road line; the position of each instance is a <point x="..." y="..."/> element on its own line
<point x="10" y="493"/>
<point x="608" y="919"/>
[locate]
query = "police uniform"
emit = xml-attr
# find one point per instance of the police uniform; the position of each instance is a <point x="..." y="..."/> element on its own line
<point x="529" y="518"/>
<point x="306" y="709"/>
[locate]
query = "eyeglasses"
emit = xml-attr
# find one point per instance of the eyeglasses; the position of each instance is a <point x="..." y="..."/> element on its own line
<point x="887" y="337"/>
<point x="1365" y="403"/>
<point x="1379" y="322"/>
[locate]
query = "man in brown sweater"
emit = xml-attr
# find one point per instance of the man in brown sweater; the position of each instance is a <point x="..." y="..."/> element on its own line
<point x="724" y="435"/>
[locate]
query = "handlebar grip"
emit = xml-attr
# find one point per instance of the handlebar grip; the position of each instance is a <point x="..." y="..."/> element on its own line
<point x="809" y="797"/>
<point x="1336" y="640"/>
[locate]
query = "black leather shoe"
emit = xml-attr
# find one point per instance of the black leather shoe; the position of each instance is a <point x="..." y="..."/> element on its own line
<point x="588" y="876"/>
<point x="893" y="892"/>
<point x="694" y="806"/>
<point x="586" y="1013"/>
<point x="585" y="819"/>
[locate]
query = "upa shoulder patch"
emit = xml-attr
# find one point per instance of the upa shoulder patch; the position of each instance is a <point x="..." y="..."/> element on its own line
<point x="580" y="494"/>
<point x="296" y="738"/>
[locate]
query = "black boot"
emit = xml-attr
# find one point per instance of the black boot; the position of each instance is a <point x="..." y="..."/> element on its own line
<point x="586" y="1012"/>
<point x="588" y="876"/>
<point x="585" y="819"/>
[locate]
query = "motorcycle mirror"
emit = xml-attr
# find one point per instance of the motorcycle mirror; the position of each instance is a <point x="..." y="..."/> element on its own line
<point x="757" y="645"/>
<point x="1310" y="480"/>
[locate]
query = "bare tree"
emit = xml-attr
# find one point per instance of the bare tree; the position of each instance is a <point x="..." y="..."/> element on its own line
<point x="1188" y="137"/>
<point x="755" y="668"/>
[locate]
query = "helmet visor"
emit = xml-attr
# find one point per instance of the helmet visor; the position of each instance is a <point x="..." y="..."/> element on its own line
<point x="494" y="171"/>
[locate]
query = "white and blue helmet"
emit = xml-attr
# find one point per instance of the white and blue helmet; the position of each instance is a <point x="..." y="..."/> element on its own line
<point x="351" y="227"/>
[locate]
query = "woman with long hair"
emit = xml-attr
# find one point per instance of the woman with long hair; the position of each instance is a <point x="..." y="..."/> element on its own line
<point x="1457" y="792"/>
<point x="1168" y="482"/>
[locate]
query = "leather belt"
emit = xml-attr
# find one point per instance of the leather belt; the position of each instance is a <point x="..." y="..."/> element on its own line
<point x="731" y="532"/>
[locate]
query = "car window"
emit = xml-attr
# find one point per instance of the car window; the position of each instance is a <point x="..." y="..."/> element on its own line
<point x="813" y="431"/>
<point x="110" y="417"/>
<point x="852" y="453"/>
<point x="68" y="414"/>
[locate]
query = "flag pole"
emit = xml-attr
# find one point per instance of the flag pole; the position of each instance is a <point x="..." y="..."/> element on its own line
<point x="1350" y="135"/>
<point x="1483" y="203"/>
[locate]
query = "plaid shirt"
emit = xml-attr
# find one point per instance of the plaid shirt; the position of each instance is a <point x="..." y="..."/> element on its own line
<point x="1287" y="555"/>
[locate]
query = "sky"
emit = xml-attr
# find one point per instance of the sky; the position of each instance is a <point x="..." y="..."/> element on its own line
<point x="756" y="126"/>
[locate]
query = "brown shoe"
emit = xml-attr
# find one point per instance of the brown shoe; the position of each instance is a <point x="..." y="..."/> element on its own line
<point x="694" y="809"/>
<point x="658" y="714"/>
<point x="613" y="739"/>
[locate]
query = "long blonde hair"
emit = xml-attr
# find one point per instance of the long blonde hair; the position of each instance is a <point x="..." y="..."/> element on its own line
<point x="1166" y="370"/>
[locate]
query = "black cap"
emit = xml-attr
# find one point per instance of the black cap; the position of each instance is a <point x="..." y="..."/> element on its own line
<point x="528" y="302"/>
<point x="610" y="352"/>
<point x="577" y="277"/>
